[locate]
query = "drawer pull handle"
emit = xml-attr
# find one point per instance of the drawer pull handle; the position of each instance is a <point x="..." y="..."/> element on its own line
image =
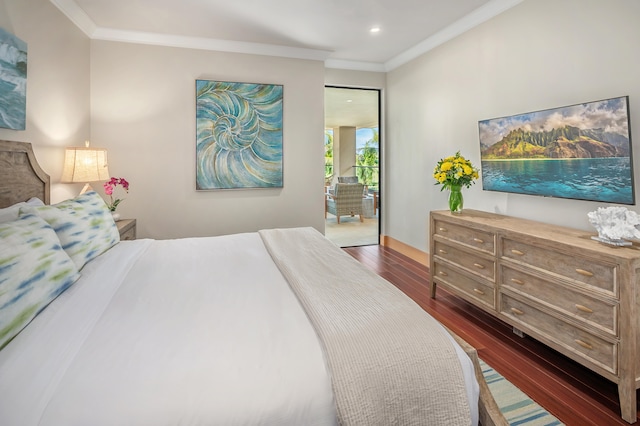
<point x="517" y="311"/>
<point x="478" y="240"/>
<point x="480" y="292"/>
<point x="479" y="266"/>
<point x="517" y="281"/>
<point x="583" y="344"/>
<point x="442" y="229"/>
<point x="443" y="273"/>
<point x="584" y="309"/>
<point x="518" y="252"/>
<point x="585" y="273"/>
<point x="443" y="251"/>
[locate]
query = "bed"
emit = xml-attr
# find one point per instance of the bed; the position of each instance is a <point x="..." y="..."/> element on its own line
<point x="277" y="327"/>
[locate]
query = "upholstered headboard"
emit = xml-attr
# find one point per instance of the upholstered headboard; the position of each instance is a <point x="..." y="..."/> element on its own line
<point x="21" y="177"/>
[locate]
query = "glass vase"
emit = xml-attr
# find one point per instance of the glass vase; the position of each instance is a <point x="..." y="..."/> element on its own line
<point x="456" y="201"/>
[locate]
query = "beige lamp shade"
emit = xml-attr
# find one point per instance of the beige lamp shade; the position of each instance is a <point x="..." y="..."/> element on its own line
<point x="85" y="165"/>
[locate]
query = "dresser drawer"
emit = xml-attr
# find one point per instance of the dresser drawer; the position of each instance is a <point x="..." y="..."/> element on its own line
<point x="572" y="266"/>
<point x="474" y="289"/>
<point x="595" y="312"/>
<point x="127" y="229"/>
<point x="468" y="236"/>
<point x="128" y="235"/>
<point x="577" y="341"/>
<point x="468" y="260"/>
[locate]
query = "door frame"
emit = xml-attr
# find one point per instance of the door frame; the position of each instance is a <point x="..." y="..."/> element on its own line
<point x="380" y="148"/>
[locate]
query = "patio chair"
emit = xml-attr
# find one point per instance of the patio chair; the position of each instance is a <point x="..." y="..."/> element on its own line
<point x="351" y="179"/>
<point x="347" y="179"/>
<point x="345" y="200"/>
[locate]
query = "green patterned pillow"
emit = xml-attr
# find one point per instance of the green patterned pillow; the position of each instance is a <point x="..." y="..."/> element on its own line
<point x="84" y="226"/>
<point x="34" y="270"/>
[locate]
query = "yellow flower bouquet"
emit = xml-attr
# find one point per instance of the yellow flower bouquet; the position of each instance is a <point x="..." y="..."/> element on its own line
<point x="455" y="170"/>
<point x="453" y="173"/>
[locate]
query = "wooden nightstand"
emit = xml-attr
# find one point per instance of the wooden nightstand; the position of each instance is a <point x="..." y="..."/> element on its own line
<point x="127" y="229"/>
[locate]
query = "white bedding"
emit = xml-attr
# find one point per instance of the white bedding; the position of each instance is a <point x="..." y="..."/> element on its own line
<point x="190" y="331"/>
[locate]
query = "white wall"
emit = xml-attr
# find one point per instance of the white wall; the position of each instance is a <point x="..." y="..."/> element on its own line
<point x="540" y="54"/>
<point x="142" y="109"/>
<point x="143" y="112"/>
<point x="57" y="85"/>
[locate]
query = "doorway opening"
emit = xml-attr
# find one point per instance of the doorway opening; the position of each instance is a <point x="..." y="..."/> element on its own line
<point x="352" y="156"/>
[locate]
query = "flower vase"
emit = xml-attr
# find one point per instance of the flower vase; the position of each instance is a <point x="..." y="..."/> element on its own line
<point x="115" y="215"/>
<point x="455" y="199"/>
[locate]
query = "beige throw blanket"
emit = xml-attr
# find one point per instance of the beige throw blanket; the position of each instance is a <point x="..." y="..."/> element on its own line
<point x="389" y="362"/>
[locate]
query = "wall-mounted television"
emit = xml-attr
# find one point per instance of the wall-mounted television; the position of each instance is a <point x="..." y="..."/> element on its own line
<point x="580" y="151"/>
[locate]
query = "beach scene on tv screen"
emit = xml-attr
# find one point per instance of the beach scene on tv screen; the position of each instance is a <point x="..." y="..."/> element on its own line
<point x="580" y="151"/>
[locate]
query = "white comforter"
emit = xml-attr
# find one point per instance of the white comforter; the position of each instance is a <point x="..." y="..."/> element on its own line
<point x="191" y="331"/>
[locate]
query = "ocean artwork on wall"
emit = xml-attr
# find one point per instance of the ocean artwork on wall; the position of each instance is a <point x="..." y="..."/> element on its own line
<point x="580" y="151"/>
<point x="238" y="135"/>
<point x="13" y="81"/>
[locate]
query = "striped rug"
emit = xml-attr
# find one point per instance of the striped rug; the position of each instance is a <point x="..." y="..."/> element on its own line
<point x="515" y="405"/>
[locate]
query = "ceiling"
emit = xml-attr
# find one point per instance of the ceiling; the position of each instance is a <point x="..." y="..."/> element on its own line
<point x="334" y="31"/>
<point x="351" y="107"/>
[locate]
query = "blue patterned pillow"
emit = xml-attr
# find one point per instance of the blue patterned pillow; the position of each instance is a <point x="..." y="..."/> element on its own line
<point x="84" y="226"/>
<point x="34" y="270"/>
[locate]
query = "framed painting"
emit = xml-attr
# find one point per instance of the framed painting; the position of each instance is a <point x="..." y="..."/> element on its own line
<point x="238" y="135"/>
<point x="580" y="151"/>
<point x="13" y="81"/>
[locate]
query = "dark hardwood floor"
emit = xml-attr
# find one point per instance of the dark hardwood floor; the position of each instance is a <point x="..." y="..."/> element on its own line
<point x="572" y="393"/>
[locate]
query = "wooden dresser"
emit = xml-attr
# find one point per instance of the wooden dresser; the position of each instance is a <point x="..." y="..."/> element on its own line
<point x="556" y="284"/>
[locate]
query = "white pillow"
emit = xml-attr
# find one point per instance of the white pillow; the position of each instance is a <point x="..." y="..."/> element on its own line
<point x="84" y="225"/>
<point x="34" y="270"/>
<point x="35" y="201"/>
<point x="11" y="213"/>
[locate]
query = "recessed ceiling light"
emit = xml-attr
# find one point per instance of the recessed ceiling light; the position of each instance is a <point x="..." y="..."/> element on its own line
<point x="349" y="100"/>
<point x="374" y="30"/>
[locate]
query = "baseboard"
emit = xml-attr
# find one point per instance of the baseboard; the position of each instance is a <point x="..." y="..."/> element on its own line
<point x="409" y="251"/>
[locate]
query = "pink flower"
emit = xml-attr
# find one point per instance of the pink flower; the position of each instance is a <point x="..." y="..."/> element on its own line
<point x="110" y="186"/>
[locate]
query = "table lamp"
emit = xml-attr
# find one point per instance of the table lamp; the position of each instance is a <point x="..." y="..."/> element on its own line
<point x="85" y="165"/>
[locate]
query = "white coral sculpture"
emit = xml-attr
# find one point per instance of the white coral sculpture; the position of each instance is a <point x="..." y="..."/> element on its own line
<point x="615" y="223"/>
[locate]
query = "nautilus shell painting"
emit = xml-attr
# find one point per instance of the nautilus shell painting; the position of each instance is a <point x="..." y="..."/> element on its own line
<point x="239" y="135"/>
<point x="13" y="81"/>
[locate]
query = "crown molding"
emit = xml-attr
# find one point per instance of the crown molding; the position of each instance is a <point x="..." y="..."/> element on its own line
<point x="72" y="11"/>
<point x="475" y="18"/>
<point x="493" y="8"/>
<point x="354" y="65"/>
<point x="209" y="44"/>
